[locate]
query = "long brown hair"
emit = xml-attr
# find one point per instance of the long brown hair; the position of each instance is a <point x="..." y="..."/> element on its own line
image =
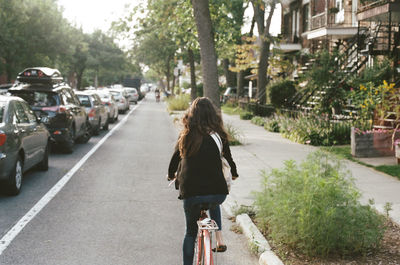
<point x="200" y="120"/>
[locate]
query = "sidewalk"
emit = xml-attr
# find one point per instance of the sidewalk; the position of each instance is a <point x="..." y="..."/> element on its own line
<point x="263" y="150"/>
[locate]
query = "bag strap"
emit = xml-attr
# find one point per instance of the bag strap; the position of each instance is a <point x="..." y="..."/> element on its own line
<point x="218" y="141"/>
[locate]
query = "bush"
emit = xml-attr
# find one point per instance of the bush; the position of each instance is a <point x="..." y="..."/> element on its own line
<point x="315" y="130"/>
<point x="180" y="102"/>
<point x="272" y="125"/>
<point x="280" y="92"/>
<point x="257" y="120"/>
<point x="314" y="208"/>
<point x="234" y="136"/>
<point x="246" y="115"/>
<point x="259" y="110"/>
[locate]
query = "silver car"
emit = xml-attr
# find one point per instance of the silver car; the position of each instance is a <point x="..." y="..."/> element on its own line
<point x="122" y="99"/>
<point x="24" y="142"/>
<point x="108" y="100"/>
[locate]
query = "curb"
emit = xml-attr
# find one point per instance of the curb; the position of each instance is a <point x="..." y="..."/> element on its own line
<point x="250" y="230"/>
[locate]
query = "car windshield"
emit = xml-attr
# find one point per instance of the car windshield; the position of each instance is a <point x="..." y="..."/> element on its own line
<point x="115" y="93"/>
<point x="85" y="101"/>
<point x="40" y="98"/>
<point x="2" y="107"/>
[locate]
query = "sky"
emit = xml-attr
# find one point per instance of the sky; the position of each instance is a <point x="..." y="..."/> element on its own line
<point x="95" y="14"/>
<point x="98" y="14"/>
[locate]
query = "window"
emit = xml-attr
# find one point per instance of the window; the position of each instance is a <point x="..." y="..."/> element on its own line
<point x="306" y="17"/>
<point x="339" y="17"/>
<point x="29" y="113"/>
<point x="2" y="105"/>
<point x="39" y="99"/>
<point x="85" y="101"/>
<point x="20" y="114"/>
<point x="319" y="7"/>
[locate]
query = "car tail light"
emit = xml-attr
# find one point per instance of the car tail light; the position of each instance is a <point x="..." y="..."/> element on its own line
<point x="3" y="138"/>
<point x="58" y="109"/>
<point x="92" y="113"/>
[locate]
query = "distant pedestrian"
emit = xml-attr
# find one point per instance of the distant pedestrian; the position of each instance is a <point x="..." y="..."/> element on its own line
<point x="199" y="177"/>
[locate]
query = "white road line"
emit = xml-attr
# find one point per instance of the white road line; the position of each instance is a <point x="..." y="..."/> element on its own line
<point x="6" y="240"/>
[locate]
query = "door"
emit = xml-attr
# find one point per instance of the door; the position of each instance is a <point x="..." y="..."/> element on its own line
<point x="38" y="133"/>
<point x="24" y="132"/>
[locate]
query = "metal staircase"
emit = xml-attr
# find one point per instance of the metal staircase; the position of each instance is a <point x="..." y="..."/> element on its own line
<point x="354" y="54"/>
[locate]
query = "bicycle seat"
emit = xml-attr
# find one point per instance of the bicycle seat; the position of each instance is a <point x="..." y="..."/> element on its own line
<point x="207" y="206"/>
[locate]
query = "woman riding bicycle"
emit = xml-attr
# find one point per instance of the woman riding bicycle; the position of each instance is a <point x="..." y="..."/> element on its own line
<point x="199" y="177"/>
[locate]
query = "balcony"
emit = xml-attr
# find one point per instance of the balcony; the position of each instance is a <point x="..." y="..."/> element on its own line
<point x="324" y="25"/>
<point x="382" y="10"/>
<point x="288" y="43"/>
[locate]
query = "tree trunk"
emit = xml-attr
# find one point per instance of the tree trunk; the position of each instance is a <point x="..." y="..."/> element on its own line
<point x="193" y="93"/>
<point x="174" y="82"/>
<point x="240" y="82"/>
<point x="259" y="15"/>
<point x="207" y="50"/>
<point x="230" y="76"/>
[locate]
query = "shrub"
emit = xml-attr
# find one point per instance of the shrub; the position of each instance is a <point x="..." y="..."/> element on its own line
<point x="280" y="92"/>
<point x="272" y="126"/>
<point x="233" y="134"/>
<point x="314" y="208"/>
<point x="315" y="130"/>
<point x="257" y="120"/>
<point x="246" y="115"/>
<point x="180" y="102"/>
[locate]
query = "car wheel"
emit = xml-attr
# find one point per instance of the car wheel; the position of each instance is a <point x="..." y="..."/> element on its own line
<point x="69" y="141"/>
<point x="105" y="127"/>
<point x="136" y="102"/>
<point x="116" y="118"/>
<point x="87" y="134"/>
<point x="44" y="164"/>
<point x="96" y="131"/>
<point x="15" y="179"/>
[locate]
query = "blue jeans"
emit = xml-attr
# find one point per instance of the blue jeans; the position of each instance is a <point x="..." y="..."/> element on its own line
<point x="192" y="213"/>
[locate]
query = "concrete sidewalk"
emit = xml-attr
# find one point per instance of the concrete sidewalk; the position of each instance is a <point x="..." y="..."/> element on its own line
<point x="263" y="150"/>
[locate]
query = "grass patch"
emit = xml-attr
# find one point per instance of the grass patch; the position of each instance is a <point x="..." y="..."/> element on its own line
<point x="180" y="102"/>
<point x="390" y="170"/>
<point x="231" y="110"/>
<point x="345" y="152"/>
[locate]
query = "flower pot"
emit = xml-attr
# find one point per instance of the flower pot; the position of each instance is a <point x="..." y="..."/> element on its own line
<point x="397" y="153"/>
<point x="372" y="143"/>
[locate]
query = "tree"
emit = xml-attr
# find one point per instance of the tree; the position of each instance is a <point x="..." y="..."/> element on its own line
<point x="208" y="55"/>
<point x="263" y="25"/>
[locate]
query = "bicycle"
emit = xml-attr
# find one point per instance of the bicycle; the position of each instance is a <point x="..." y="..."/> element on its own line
<point x="203" y="254"/>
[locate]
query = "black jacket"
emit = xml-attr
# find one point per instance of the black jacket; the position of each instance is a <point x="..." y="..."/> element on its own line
<point x="201" y="174"/>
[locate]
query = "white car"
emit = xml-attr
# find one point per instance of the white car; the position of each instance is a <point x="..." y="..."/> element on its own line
<point x="133" y="94"/>
<point x="122" y="99"/>
<point x="111" y="104"/>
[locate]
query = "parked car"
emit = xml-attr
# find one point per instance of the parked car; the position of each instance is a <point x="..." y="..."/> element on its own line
<point x="24" y="142"/>
<point x="55" y="103"/>
<point x="97" y="113"/>
<point x="4" y="88"/>
<point x="108" y="100"/>
<point x="121" y="97"/>
<point x="133" y="94"/>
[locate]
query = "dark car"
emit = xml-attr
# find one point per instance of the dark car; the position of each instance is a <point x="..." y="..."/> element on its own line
<point x="96" y="111"/>
<point x="55" y="103"/>
<point x="24" y="142"/>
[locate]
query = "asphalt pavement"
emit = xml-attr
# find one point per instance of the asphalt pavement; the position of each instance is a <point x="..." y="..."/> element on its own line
<point x="116" y="208"/>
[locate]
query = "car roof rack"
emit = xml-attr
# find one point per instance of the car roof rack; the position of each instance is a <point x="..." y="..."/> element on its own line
<point x="40" y="75"/>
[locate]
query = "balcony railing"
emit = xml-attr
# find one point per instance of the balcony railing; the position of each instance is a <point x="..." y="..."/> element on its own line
<point x="368" y="4"/>
<point x="318" y="21"/>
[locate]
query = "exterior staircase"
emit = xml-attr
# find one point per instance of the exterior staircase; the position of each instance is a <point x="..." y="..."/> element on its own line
<point x="354" y="54"/>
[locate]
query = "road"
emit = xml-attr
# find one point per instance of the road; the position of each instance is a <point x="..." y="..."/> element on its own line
<point x="117" y="207"/>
